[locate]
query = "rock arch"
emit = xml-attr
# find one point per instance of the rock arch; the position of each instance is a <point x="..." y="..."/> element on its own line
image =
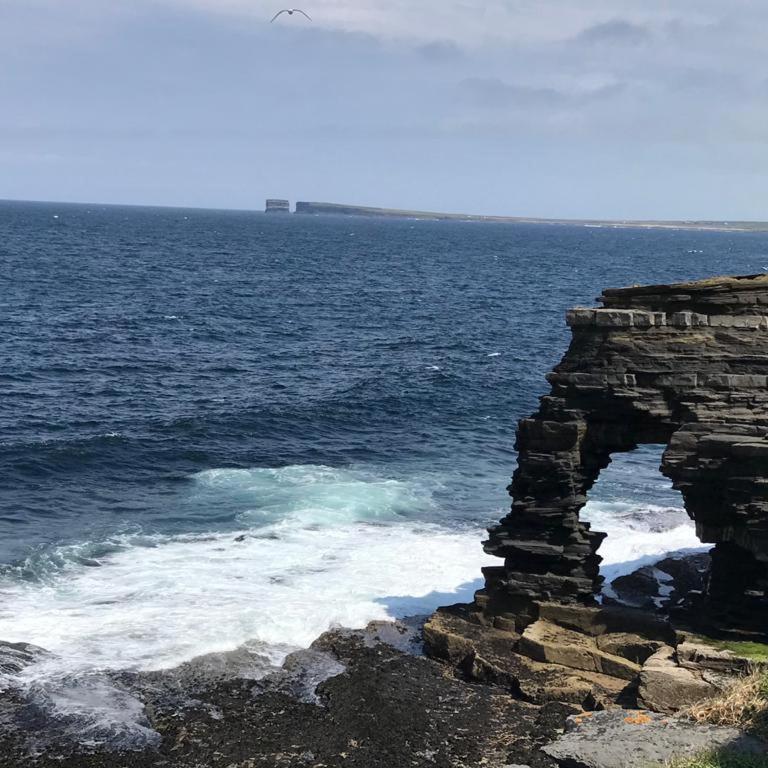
<point x="684" y="365"/>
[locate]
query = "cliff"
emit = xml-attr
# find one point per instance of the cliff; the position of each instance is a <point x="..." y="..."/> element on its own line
<point x="341" y="209"/>
<point x="277" y="206"/>
<point x="685" y="366"/>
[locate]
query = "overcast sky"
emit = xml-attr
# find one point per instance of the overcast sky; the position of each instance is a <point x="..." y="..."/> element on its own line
<point x="579" y="108"/>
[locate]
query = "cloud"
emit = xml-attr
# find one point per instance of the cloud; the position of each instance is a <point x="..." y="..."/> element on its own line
<point x="169" y="92"/>
<point x="617" y="31"/>
<point x="495" y="93"/>
<point x="440" y="51"/>
<point x="441" y="22"/>
<point x="468" y="24"/>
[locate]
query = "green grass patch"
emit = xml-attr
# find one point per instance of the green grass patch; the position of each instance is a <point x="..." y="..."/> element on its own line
<point x="721" y="759"/>
<point x="748" y="649"/>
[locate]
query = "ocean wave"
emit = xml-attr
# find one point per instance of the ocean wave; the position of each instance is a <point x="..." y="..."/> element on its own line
<point x="639" y="534"/>
<point x="314" y="494"/>
<point x="315" y="547"/>
<point x="634" y="515"/>
<point x="156" y="607"/>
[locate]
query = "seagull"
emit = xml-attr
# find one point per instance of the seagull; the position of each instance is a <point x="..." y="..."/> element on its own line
<point x="290" y="12"/>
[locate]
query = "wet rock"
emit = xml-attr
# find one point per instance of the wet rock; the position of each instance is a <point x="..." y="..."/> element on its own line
<point x="377" y="692"/>
<point x="16" y="656"/>
<point x="249" y="662"/>
<point x="688" y="573"/>
<point x="403" y="634"/>
<point x="664" y="583"/>
<point x="57" y="712"/>
<point x="621" y="739"/>
<point x="638" y="589"/>
<point x="301" y="675"/>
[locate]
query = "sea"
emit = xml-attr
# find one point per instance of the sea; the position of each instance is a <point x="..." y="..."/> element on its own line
<point x="226" y="429"/>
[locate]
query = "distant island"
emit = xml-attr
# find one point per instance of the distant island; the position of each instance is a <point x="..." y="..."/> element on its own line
<point x="341" y="209"/>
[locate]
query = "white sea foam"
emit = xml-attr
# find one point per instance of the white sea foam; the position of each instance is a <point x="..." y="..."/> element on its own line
<point x="639" y="534"/>
<point x="320" y="560"/>
<point x="316" y="547"/>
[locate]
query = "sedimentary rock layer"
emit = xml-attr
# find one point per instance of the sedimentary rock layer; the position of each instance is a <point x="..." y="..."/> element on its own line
<point x="682" y="365"/>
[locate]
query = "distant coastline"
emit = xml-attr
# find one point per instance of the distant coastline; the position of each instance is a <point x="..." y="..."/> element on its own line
<point x="341" y="209"/>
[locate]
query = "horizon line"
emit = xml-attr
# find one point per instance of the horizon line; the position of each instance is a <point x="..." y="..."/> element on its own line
<point x="730" y="225"/>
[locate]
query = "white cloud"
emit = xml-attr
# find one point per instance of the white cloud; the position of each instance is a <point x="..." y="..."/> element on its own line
<point x="472" y="23"/>
<point x="434" y="86"/>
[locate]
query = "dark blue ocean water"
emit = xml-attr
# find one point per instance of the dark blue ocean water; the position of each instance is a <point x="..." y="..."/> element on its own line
<point x="141" y="346"/>
<point x="341" y="392"/>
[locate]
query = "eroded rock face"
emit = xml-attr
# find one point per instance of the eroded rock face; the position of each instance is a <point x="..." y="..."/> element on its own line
<point x="683" y="365"/>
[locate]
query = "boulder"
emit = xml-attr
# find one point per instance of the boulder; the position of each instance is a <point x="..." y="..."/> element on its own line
<point x="548" y="642"/>
<point x="698" y="655"/>
<point x="629" y="646"/>
<point x="664" y="583"/>
<point x="489" y="655"/>
<point x="667" y="687"/>
<point x="638" y="739"/>
<point x="15" y="656"/>
<point x="637" y="589"/>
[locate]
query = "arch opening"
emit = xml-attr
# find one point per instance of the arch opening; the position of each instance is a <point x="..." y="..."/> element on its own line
<point x="651" y="557"/>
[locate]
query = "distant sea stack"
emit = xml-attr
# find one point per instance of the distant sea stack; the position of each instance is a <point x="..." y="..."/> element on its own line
<point x="278" y="206"/>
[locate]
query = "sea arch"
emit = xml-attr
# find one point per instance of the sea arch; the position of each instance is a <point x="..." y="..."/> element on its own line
<point x="683" y="365"/>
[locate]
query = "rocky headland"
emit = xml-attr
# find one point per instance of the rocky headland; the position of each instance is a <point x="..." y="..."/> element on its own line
<point x="541" y="670"/>
<point x="345" y="209"/>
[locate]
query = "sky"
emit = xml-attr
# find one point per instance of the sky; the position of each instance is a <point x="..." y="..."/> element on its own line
<point x="556" y="108"/>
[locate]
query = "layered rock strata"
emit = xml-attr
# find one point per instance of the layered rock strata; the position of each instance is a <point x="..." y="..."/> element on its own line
<point x="681" y="365"/>
<point x="593" y="658"/>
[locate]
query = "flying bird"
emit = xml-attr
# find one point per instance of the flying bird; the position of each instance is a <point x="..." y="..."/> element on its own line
<point x="290" y="12"/>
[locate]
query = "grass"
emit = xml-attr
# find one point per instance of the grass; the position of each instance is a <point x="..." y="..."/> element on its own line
<point x="744" y="705"/>
<point x="757" y="652"/>
<point x="721" y="759"/>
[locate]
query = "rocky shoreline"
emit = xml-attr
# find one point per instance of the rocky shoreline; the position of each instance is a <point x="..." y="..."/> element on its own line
<point x="352" y="699"/>
<point x="543" y="669"/>
<point x="446" y="693"/>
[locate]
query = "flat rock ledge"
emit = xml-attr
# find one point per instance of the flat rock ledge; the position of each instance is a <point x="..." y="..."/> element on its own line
<point x="594" y="658"/>
<point x="638" y="739"/>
